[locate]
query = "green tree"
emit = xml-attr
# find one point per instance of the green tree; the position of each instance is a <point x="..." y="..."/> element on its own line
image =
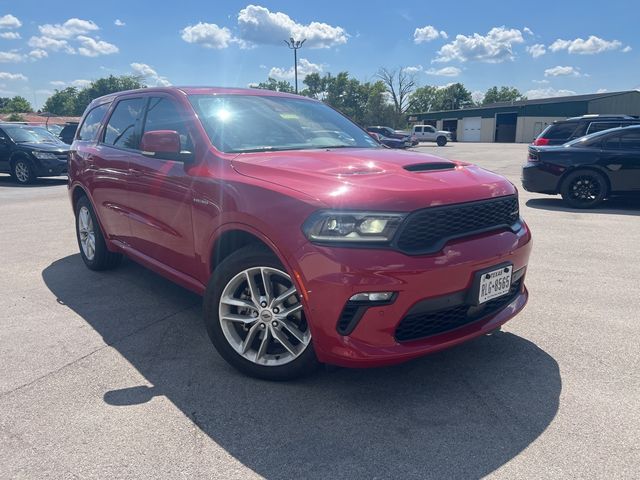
<point x="15" y="117"/>
<point x="452" y="97"/>
<point x="105" y="86"/>
<point x="504" y="94"/>
<point x="424" y="99"/>
<point x="62" y="102"/>
<point x="17" y="105"/>
<point x="276" y="85"/>
<point x="400" y="85"/>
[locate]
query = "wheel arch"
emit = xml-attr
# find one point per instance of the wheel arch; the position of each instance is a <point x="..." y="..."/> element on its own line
<point x="231" y="238"/>
<point x="20" y="155"/>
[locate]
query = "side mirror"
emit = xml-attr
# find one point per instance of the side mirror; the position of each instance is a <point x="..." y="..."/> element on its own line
<point x="163" y="144"/>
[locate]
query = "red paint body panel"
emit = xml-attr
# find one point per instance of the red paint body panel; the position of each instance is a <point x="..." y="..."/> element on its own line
<point x="168" y="215"/>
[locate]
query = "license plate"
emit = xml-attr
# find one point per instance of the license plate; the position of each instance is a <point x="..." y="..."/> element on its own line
<point x="495" y="283"/>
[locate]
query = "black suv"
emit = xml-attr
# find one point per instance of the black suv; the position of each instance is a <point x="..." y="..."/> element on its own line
<point x="27" y="152"/>
<point x="68" y="132"/>
<point x="562" y="131"/>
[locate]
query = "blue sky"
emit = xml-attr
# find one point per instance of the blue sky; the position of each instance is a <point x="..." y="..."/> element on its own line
<point x="543" y="48"/>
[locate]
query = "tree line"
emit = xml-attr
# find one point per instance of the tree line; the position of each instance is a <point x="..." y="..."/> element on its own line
<point x="386" y="100"/>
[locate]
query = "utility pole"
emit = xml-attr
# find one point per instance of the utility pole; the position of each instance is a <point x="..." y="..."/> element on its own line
<point x="295" y="45"/>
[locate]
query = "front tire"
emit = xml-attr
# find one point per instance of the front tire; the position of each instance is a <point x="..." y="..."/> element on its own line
<point x="22" y="171"/>
<point x="93" y="247"/>
<point x="254" y="317"/>
<point x="441" y="141"/>
<point x="584" y="189"/>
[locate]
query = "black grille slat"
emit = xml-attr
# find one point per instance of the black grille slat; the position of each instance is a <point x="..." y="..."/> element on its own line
<point x="415" y="326"/>
<point x="427" y="230"/>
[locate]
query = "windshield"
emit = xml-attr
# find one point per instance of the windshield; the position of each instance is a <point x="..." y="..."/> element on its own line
<point x="250" y="123"/>
<point x="22" y="134"/>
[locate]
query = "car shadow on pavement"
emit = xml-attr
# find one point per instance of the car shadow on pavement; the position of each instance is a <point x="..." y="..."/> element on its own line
<point x="616" y="205"/>
<point x="8" y="181"/>
<point x="461" y="413"/>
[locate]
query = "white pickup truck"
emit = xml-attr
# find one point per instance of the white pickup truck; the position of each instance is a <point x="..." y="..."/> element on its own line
<point x="427" y="133"/>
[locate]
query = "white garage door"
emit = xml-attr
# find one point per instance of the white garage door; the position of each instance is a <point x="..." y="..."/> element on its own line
<point x="471" y="129"/>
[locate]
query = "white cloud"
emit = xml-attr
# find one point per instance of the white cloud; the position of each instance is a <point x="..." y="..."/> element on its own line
<point x="91" y="47"/>
<point x="10" y="35"/>
<point x="70" y="28"/>
<point x="590" y="46"/>
<point x="626" y="49"/>
<point x="58" y="83"/>
<point x="208" y="35"/>
<point x="536" y="50"/>
<point x="149" y="73"/>
<point x="305" y="67"/>
<point x="11" y="57"/>
<point x="560" y="71"/>
<point x="427" y="34"/>
<point x="477" y="96"/>
<point x="494" y="47"/>
<point x="12" y="76"/>
<point x="119" y="23"/>
<point x="547" y="93"/>
<point x="38" y="54"/>
<point x="44" y="91"/>
<point x="79" y="83"/>
<point x="413" y="69"/>
<point x="602" y="90"/>
<point x="9" y="21"/>
<point x="444" y="72"/>
<point x="47" y="43"/>
<point x="541" y="82"/>
<point x="258" y="25"/>
<point x="527" y="30"/>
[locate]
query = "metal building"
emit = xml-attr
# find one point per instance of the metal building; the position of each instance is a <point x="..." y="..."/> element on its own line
<point x="523" y="120"/>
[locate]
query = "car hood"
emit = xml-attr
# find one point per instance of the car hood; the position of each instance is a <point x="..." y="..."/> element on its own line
<point x="375" y="178"/>
<point x="45" y="147"/>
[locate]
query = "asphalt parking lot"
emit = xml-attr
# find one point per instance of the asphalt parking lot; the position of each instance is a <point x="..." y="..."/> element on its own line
<point x="111" y="375"/>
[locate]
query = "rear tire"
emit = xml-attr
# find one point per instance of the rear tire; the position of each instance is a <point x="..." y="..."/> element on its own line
<point x="93" y="247"/>
<point x="22" y="171"/>
<point x="584" y="189"/>
<point x="441" y="141"/>
<point x="245" y="321"/>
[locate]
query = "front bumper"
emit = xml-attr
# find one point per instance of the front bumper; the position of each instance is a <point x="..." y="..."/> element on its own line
<point x="541" y="178"/>
<point x="330" y="276"/>
<point x="49" y="168"/>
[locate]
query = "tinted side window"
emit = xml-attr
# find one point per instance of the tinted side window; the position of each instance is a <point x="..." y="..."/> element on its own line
<point x="560" y="131"/>
<point x="600" y="126"/>
<point x="91" y="123"/>
<point x="630" y="140"/>
<point x="611" y="142"/>
<point x="164" y="114"/>
<point x="418" y="129"/>
<point x="123" y="127"/>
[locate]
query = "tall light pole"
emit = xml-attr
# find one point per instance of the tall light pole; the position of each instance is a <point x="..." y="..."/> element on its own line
<point x="295" y="45"/>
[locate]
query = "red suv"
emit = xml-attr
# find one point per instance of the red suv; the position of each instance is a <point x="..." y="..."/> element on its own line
<point x="308" y="240"/>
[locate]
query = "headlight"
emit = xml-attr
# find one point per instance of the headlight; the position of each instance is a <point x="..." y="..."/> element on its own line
<point x="44" y="155"/>
<point x="352" y="227"/>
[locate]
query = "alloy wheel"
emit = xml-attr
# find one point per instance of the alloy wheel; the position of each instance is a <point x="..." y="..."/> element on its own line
<point x="262" y="318"/>
<point x="87" y="233"/>
<point x="585" y="188"/>
<point x="21" y="170"/>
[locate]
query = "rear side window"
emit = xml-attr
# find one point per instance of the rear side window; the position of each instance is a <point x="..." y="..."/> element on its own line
<point x="123" y="128"/>
<point x="559" y="131"/>
<point x="418" y="129"/>
<point x="630" y="140"/>
<point x="600" y="126"/>
<point x="164" y="114"/>
<point x="91" y="123"/>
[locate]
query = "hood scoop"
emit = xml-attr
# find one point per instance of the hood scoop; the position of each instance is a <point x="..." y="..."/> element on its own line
<point x="430" y="166"/>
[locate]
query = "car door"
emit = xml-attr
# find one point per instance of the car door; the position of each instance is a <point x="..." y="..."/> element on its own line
<point x="107" y="161"/>
<point x="5" y="151"/>
<point x="429" y="133"/>
<point x="160" y="193"/>
<point x="417" y="131"/>
<point x="621" y="156"/>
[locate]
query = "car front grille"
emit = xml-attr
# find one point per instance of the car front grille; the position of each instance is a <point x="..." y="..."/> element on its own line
<point x="416" y="326"/>
<point x="427" y="230"/>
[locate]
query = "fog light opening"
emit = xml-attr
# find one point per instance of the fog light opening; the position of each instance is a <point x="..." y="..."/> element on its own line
<point x="371" y="297"/>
